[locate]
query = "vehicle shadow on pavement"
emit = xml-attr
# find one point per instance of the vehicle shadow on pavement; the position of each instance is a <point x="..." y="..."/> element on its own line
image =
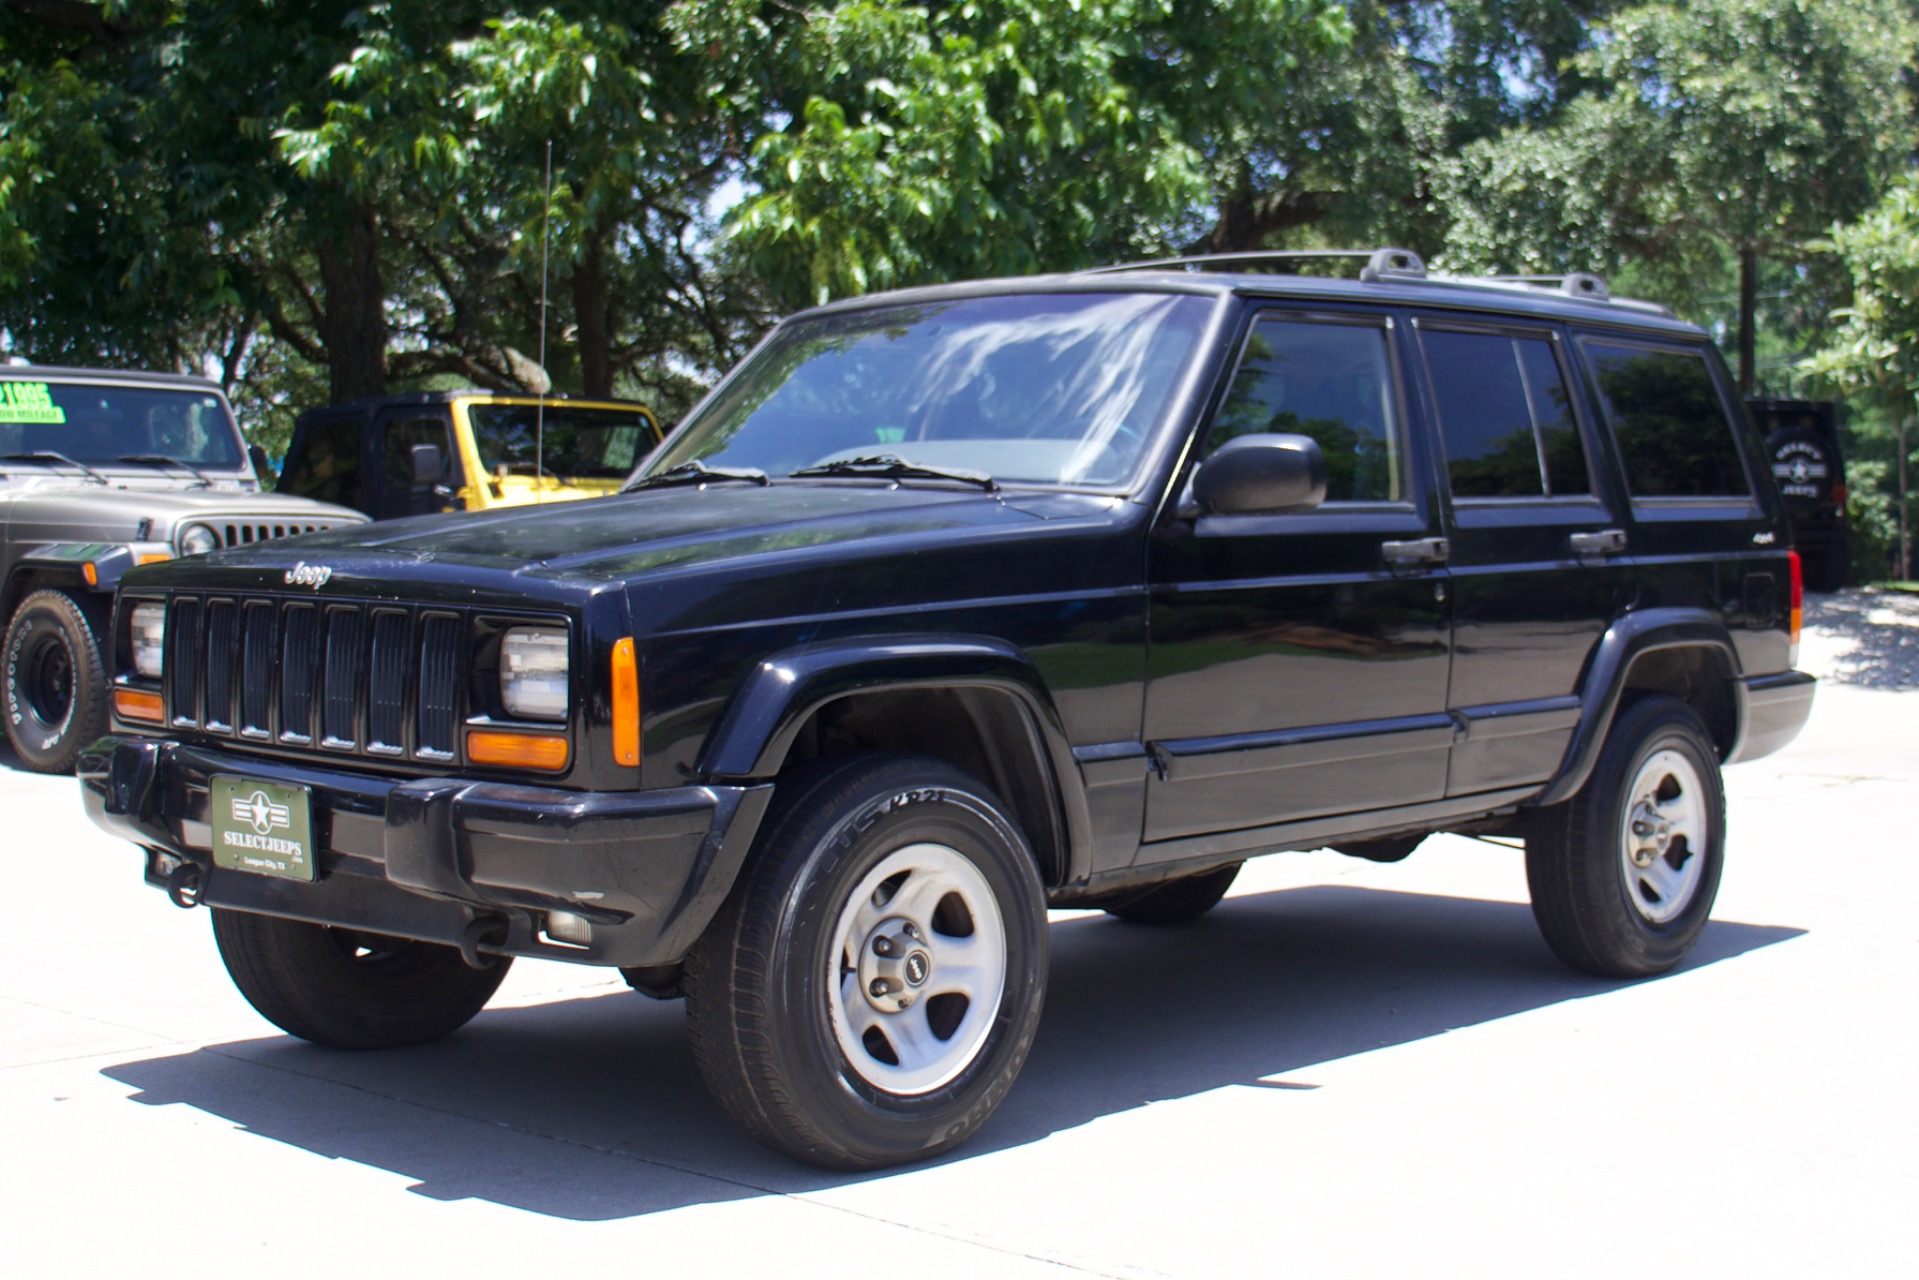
<point x="591" y="1108"/>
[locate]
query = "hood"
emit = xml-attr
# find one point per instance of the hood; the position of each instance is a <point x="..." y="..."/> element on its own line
<point x="618" y="537"/>
<point x="98" y="513"/>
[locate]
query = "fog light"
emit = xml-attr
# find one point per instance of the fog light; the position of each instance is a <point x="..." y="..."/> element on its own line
<point x="567" y="930"/>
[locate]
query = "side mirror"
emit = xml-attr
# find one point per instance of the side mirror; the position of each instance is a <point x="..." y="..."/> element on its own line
<point x="1261" y="475"/>
<point x="262" y="469"/>
<point x="429" y="464"/>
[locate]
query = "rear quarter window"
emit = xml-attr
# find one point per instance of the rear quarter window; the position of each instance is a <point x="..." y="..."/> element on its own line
<point x="1676" y="438"/>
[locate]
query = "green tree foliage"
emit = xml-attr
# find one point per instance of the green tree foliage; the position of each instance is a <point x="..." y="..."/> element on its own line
<point x="1873" y="355"/>
<point x="1715" y="127"/>
<point x="906" y="144"/>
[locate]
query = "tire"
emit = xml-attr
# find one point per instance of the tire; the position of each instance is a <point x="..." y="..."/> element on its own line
<point x="351" y="990"/>
<point x="1174" y="901"/>
<point x="789" y="1028"/>
<point x="55" y="684"/>
<point x="1624" y="874"/>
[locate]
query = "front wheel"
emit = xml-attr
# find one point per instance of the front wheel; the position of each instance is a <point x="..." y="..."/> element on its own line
<point x="351" y="990"/>
<point x="872" y="987"/>
<point x="55" y="683"/>
<point x="1624" y="874"/>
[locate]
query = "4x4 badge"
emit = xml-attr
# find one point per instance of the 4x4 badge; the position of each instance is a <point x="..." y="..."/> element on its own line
<point x="308" y="575"/>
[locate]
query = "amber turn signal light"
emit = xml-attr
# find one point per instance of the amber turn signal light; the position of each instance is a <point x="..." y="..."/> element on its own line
<point x="138" y="704"/>
<point x="626" y="703"/>
<point x="516" y="750"/>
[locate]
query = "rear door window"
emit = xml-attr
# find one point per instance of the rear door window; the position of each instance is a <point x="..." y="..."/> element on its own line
<point x="1504" y="415"/>
<point x="1675" y="435"/>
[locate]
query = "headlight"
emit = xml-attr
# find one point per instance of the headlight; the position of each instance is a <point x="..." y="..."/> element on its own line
<point x="197" y="540"/>
<point x="149" y="639"/>
<point x="533" y="673"/>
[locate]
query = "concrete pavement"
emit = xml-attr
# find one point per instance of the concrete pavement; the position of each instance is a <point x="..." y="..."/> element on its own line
<point x="1347" y="1069"/>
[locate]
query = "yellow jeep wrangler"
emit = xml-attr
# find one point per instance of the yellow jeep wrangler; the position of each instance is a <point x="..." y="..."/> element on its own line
<point x="467" y="450"/>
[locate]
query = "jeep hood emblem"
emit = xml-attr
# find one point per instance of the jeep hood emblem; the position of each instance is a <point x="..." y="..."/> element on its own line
<point x="303" y="574"/>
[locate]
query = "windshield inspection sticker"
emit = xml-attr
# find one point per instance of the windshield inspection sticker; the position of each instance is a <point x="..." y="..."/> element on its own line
<point x="30" y="402"/>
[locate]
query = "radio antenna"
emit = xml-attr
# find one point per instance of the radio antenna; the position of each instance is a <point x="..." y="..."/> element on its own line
<point x="539" y="413"/>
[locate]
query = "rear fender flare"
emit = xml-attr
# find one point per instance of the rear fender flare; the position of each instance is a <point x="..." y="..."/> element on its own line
<point x="1609" y="669"/>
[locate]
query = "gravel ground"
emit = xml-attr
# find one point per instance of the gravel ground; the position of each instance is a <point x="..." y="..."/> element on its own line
<point x="1862" y="636"/>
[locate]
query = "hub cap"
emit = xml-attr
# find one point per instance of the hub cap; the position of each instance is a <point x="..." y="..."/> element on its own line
<point x="1664" y="837"/>
<point x="917" y="969"/>
<point x="49" y="681"/>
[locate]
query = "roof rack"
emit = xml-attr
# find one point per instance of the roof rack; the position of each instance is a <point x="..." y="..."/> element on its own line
<point x="1400" y="265"/>
<point x="1381" y="264"/>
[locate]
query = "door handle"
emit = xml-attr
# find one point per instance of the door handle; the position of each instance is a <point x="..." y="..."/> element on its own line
<point x="1417" y="551"/>
<point x="1607" y="542"/>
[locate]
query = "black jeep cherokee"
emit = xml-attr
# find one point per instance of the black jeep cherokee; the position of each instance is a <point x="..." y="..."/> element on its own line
<point x="955" y="604"/>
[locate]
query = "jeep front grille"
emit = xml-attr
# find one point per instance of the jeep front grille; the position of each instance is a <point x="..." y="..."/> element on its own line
<point x="240" y="533"/>
<point x="377" y="680"/>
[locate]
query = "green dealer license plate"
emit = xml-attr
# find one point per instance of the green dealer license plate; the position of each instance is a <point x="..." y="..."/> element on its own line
<point x="262" y="827"/>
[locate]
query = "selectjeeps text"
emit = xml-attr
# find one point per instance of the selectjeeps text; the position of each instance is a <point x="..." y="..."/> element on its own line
<point x="950" y="605"/>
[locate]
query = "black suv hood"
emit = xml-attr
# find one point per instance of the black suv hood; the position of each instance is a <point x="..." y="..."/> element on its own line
<point x="614" y="538"/>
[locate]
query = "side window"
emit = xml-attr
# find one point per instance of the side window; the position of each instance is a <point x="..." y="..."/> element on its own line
<point x="1674" y="436"/>
<point x="328" y="464"/>
<point x="1505" y="416"/>
<point x="1327" y="380"/>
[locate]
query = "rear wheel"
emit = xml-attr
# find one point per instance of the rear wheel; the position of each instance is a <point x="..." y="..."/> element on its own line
<point x="351" y="990"/>
<point x="872" y="987"/>
<point x="1624" y="874"/>
<point x="55" y="684"/>
<point x="1174" y="901"/>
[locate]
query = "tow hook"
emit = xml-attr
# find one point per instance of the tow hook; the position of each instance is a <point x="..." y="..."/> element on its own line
<point x="488" y="931"/>
<point x="183" y="886"/>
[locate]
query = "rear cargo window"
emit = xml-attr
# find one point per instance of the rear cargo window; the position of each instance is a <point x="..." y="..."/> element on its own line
<point x="1674" y="436"/>
<point x="327" y="466"/>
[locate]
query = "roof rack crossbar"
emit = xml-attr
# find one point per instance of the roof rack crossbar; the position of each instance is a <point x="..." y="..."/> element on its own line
<point x="1574" y="284"/>
<point x="1381" y="264"/>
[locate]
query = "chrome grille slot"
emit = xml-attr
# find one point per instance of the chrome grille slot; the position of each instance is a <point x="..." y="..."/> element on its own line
<point x="386" y="684"/>
<point x="440" y="646"/>
<point x="298" y="648"/>
<point x="256" y="671"/>
<point x="374" y="680"/>
<point x="183" y="661"/>
<point x="222" y="630"/>
<point x="345" y="657"/>
<point x="240" y="534"/>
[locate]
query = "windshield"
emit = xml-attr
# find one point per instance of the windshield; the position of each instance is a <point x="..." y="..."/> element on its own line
<point x="97" y="424"/>
<point x="580" y="443"/>
<point x="1030" y="388"/>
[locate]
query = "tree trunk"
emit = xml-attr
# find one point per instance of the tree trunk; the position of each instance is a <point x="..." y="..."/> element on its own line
<point x="1748" y="308"/>
<point x="591" y="316"/>
<point x="353" y="326"/>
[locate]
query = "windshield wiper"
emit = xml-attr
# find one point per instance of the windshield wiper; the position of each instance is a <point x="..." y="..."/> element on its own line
<point x="48" y="455"/>
<point x="890" y="466"/>
<point x="697" y="472"/>
<point x="162" y="459"/>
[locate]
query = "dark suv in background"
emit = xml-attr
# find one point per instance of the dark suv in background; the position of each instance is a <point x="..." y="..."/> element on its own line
<point x="101" y="470"/>
<point x="1802" y="441"/>
<point x="951" y="605"/>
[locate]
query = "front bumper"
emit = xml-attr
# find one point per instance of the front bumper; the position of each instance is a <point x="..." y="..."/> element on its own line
<point x="446" y="859"/>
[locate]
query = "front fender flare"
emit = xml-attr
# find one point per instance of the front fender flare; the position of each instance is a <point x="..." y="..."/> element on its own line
<point x="773" y="703"/>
